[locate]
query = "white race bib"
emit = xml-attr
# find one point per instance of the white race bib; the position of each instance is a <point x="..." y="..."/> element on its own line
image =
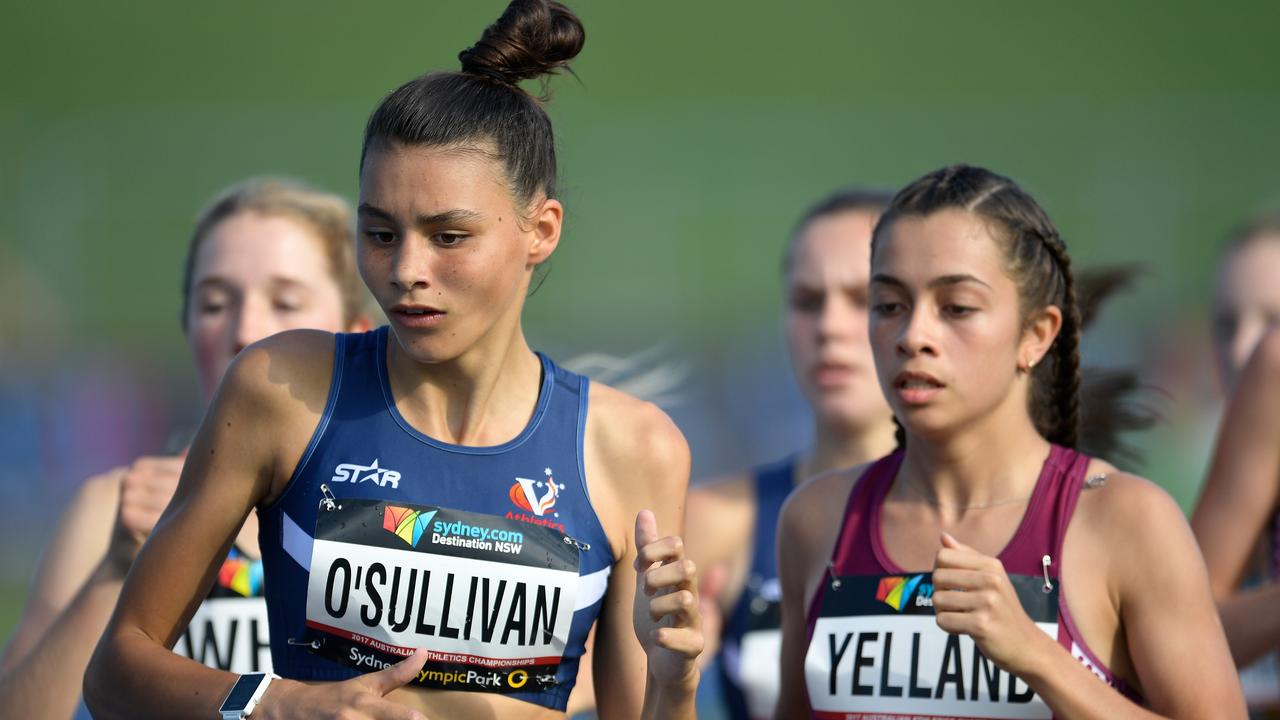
<point x="491" y="599"/>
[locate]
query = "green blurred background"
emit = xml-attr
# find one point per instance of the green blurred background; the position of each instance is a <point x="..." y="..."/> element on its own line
<point x="694" y="136"/>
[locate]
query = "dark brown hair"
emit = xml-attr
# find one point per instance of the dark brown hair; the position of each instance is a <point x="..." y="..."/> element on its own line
<point x="1036" y="259"/>
<point x="849" y="199"/>
<point x="325" y="216"/>
<point x="482" y="108"/>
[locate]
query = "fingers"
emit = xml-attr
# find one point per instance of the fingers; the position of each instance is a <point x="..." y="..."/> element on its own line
<point x="683" y="640"/>
<point x="965" y="580"/>
<point x="398" y="675"/>
<point x="955" y="554"/>
<point x="675" y="575"/>
<point x="681" y="606"/>
<point x="646" y="528"/>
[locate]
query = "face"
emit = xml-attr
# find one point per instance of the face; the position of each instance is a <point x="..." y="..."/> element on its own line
<point x="1246" y="303"/>
<point x="444" y="249"/>
<point x="946" y="331"/>
<point x="826" y="319"/>
<point x="254" y="276"/>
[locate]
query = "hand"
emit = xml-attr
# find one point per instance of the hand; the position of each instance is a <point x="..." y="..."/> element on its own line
<point x="666" y="616"/>
<point x="146" y="487"/>
<point x="361" y="698"/>
<point x="972" y="595"/>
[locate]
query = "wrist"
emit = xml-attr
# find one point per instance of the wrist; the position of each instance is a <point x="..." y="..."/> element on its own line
<point x="275" y="699"/>
<point x="1042" y="657"/>
<point x="674" y="687"/>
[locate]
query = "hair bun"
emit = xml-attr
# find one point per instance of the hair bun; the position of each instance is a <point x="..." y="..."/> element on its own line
<point x="532" y="38"/>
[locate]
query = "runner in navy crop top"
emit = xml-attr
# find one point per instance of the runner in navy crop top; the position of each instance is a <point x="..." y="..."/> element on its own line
<point x="444" y="512"/>
<point x="732" y="520"/>
<point x="968" y="575"/>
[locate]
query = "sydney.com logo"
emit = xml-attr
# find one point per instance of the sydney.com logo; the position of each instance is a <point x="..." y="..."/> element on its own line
<point x="896" y="592"/>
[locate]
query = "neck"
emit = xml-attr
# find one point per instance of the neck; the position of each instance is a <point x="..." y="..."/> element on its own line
<point x="839" y="446"/>
<point x="993" y="460"/>
<point x="484" y="396"/>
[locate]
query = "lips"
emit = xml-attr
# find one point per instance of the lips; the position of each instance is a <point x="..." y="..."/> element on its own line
<point x="829" y="375"/>
<point x="416" y="316"/>
<point x="916" y="388"/>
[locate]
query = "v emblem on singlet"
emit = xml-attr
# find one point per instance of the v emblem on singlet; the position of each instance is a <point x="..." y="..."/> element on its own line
<point x="877" y="652"/>
<point x="491" y="599"/>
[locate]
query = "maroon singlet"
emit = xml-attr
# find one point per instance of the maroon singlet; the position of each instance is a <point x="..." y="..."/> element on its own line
<point x="874" y="648"/>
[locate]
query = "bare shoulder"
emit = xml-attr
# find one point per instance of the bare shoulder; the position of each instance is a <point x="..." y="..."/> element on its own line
<point x="629" y="435"/>
<point x="1121" y="509"/>
<point x="296" y="365"/>
<point x="1122" y="502"/>
<point x="812" y="513"/>
<point x="635" y="458"/>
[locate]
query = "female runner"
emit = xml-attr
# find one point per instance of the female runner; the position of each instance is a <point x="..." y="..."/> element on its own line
<point x="1237" y="519"/>
<point x="436" y="484"/>
<point x="731" y="521"/>
<point x="970" y="573"/>
<point x="265" y="256"/>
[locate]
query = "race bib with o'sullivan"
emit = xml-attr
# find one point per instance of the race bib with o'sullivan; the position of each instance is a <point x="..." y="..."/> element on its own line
<point x="490" y="599"/>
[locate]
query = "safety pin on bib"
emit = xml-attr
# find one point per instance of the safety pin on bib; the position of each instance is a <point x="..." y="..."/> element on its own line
<point x="584" y="547"/>
<point x="835" y="579"/>
<point x="1048" y="584"/>
<point x="328" y="502"/>
<point x="313" y="644"/>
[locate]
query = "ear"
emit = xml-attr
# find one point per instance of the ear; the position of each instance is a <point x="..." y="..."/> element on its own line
<point x="546" y="222"/>
<point x="1042" y="330"/>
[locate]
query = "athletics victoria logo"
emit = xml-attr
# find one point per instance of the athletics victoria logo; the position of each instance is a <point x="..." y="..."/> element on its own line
<point x="536" y="500"/>
<point x="353" y="473"/>
<point x="537" y="497"/>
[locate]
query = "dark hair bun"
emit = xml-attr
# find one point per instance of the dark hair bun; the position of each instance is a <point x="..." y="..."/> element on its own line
<point x="532" y="38"/>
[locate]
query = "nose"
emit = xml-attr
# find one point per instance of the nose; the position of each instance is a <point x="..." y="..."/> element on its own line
<point x="835" y="319"/>
<point x="411" y="263"/>
<point x="254" y="321"/>
<point x="916" y="334"/>
<point x="1249" y="331"/>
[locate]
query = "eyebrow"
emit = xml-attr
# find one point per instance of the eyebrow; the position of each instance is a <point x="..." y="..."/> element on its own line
<point x="937" y="282"/>
<point x="441" y="218"/>
<point x="222" y="283"/>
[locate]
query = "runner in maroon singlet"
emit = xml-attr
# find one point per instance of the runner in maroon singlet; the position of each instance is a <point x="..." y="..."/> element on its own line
<point x="986" y="569"/>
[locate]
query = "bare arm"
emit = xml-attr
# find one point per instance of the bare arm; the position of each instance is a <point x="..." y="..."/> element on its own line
<point x="1239" y="498"/>
<point x="1166" y="611"/>
<point x="793" y="700"/>
<point x="75" y="551"/>
<point x="646" y="463"/>
<point x="77" y="585"/>
<point x="231" y="467"/>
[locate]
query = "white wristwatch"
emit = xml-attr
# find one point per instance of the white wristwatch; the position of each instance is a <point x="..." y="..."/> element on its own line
<point x="245" y="694"/>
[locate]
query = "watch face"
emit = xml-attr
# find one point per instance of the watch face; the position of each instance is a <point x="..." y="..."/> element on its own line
<point x="242" y="692"/>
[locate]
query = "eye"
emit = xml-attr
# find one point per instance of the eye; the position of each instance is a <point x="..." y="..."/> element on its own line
<point x="807" y="302"/>
<point x="887" y="307"/>
<point x="450" y="239"/>
<point x="380" y="237"/>
<point x="958" y="310"/>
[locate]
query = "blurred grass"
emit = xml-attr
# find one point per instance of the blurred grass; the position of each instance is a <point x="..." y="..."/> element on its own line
<point x="696" y="134"/>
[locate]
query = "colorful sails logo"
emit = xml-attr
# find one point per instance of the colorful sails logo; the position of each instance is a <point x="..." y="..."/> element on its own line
<point x="897" y="591"/>
<point x="406" y="524"/>
<point x="241" y="574"/>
